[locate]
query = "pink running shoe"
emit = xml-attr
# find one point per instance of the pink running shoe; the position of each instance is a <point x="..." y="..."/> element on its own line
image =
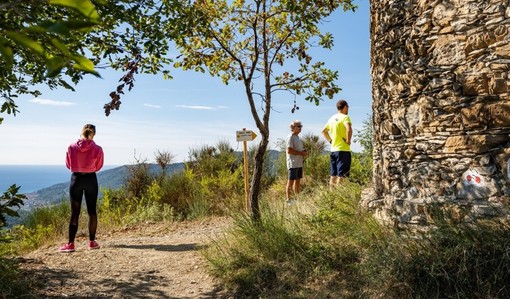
<point x="69" y="247"/>
<point x="94" y="245"/>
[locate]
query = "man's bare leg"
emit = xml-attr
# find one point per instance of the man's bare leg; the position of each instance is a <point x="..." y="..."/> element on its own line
<point x="333" y="181"/>
<point x="291" y="185"/>
<point x="297" y="188"/>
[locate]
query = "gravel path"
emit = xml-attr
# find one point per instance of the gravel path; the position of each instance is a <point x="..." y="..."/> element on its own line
<point x="150" y="261"/>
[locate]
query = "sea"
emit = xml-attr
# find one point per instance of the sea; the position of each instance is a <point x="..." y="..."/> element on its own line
<point x="31" y="178"/>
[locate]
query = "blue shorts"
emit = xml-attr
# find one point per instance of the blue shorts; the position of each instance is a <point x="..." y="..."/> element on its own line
<point x="295" y="173"/>
<point x="340" y="163"/>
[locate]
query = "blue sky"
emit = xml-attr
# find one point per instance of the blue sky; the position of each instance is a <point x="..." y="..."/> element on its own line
<point x="187" y="112"/>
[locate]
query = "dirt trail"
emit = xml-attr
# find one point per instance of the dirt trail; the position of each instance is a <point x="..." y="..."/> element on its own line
<point x="153" y="261"/>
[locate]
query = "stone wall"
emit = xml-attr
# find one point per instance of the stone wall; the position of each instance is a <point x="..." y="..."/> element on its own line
<point x="441" y="108"/>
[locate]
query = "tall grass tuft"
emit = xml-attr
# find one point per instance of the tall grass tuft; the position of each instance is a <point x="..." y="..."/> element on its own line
<point x="454" y="260"/>
<point x="287" y="255"/>
<point x="252" y="258"/>
<point x="332" y="248"/>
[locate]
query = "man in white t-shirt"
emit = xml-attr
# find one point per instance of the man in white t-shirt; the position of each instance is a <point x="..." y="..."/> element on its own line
<point x="295" y="157"/>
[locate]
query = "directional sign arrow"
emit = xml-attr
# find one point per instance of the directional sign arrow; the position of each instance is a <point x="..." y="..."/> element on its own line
<point x="245" y="135"/>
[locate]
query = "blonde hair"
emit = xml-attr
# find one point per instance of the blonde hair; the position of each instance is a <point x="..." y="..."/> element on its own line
<point x="88" y="131"/>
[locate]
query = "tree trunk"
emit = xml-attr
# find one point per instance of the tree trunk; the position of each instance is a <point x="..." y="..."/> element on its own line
<point x="257" y="179"/>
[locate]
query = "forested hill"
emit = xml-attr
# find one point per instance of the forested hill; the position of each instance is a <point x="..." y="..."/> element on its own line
<point x="111" y="178"/>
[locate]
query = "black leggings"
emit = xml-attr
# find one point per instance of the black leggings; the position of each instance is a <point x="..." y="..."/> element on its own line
<point x="83" y="184"/>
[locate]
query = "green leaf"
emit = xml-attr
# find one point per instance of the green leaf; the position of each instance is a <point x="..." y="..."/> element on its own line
<point x="84" y="64"/>
<point x="48" y="26"/>
<point x="54" y="66"/>
<point x="79" y="25"/>
<point x="7" y="53"/>
<point x="62" y="28"/>
<point x="11" y="213"/>
<point x="27" y="42"/>
<point x="66" y="85"/>
<point x="61" y="47"/>
<point x="85" y="7"/>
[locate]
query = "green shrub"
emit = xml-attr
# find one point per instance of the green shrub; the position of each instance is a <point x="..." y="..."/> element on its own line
<point x="40" y="226"/>
<point x="454" y="260"/>
<point x="11" y="286"/>
<point x="361" y="169"/>
<point x="260" y="260"/>
<point x="114" y="205"/>
<point x="151" y="212"/>
<point x="28" y="239"/>
<point x="218" y="190"/>
<point x="120" y="208"/>
<point x="56" y="217"/>
<point x="138" y="180"/>
<point x="198" y="208"/>
<point x="212" y="180"/>
<point x="10" y="202"/>
<point x="179" y="189"/>
<point x="149" y="207"/>
<point x="316" y="169"/>
<point x="207" y="161"/>
<point x="338" y="250"/>
<point x="22" y="239"/>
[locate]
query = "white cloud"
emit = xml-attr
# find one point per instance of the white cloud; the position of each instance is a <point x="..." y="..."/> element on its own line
<point x="51" y="102"/>
<point x="196" y="107"/>
<point x="152" y="106"/>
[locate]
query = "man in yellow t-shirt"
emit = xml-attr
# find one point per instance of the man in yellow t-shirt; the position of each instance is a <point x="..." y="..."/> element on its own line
<point x="338" y="132"/>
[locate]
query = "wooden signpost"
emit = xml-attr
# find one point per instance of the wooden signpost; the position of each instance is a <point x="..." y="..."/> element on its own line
<point x="244" y="136"/>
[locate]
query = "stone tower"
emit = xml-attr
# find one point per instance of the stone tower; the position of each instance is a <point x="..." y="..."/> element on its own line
<point x="441" y="108"/>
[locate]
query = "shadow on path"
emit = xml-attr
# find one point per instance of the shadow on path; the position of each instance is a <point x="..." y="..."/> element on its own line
<point x="177" y="248"/>
<point x="46" y="282"/>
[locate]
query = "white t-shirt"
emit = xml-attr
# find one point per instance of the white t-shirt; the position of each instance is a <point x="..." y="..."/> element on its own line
<point x="294" y="142"/>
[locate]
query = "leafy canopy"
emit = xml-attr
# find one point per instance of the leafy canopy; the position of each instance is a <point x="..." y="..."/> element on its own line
<point x="56" y="42"/>
<point x="250" y="40"/>
<point x="37" y="43"/>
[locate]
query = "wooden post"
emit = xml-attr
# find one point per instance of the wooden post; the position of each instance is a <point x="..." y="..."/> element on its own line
<point x="246" y="186"/>
<point x="245" y="136"/>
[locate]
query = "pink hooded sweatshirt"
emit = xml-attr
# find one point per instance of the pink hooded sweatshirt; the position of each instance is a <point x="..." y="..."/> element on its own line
<point x="84" y="156"/>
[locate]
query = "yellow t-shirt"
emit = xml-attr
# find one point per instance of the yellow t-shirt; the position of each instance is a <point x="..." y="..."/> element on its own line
<point x="338" y="132"/>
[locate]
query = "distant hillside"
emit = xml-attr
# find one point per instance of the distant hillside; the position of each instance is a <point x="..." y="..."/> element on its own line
<point x="112" y="179"/>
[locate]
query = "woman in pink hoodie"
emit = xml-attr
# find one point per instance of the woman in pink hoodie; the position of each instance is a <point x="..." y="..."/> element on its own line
<point x="84" y="158"/>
